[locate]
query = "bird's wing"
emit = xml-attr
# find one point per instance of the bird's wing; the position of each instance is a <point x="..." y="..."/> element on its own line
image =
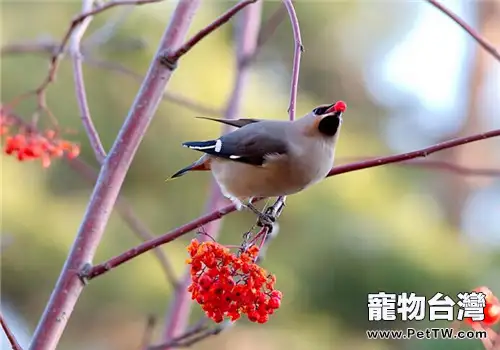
<point x="233" y="122"/>
<point x="248" y="147"/>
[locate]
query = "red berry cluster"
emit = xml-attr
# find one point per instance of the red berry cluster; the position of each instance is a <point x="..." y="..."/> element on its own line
<point x="227" y="285"/>
<point x="29" y="145"/>
<point x="491" y="310"/>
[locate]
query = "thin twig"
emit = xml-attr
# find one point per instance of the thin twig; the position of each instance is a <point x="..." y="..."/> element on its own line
<point x="192" y="337"/>
<point x="69" y="285"/>
<point x="10" y="336"/>
<point x="81" y="96"/>
<point x="48" y="47"/>
<point x="168" y="95"/>
<point x="441" y="165"/>
<point x="278" y="206"/>
<point x="172" y="57"/>
<point x="217" y="214"/>
<point x="58" y="53"/>
<point x="118" y="260"/>
<point x="246" y="41"/>
<point x="43" y="46"/>
<point x="299" y="48"/>
<point x="79" y="19"/>
<point x="473" y="33"/>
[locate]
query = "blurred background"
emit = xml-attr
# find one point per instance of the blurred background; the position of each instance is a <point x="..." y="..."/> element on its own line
<point x="411" y="78"/>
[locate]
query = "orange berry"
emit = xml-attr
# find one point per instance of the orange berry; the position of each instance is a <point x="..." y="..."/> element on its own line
<point x="73" y="152"/>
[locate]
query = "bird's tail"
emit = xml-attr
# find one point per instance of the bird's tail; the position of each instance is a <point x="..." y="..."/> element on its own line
<point x="200" y="165"/>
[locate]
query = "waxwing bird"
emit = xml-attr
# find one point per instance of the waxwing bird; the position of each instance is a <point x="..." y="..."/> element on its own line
<point x="270" y="158"/>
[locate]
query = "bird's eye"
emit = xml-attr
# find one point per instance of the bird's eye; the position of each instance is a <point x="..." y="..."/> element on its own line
<point x="321" y="110"/>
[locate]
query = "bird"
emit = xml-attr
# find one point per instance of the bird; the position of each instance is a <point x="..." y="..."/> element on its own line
<point x="270" y="158"/>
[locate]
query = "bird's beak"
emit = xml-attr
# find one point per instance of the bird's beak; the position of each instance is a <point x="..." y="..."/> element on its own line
<point x="330" y="108"/>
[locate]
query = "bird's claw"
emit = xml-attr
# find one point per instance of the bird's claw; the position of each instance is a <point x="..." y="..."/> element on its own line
<point x="266" y="220"/>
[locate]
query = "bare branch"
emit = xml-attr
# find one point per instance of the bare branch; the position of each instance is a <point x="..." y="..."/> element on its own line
<point x="341" y="169"/>
<point x="246" y="43"/>
<point x="10" y="336"/>
<point x="47" y="47"/>
<point x="276" y="209"/>
<point x="192" y="337"/>
<point x="112" y="263"/>
<point x="79" y="19"/>
<point x="171" y="58"/>
<point x="168" y="95"/>
<point x="69" y="285"/>
<point x="81" y="96"/>
<point x="123" y="206"/>
<point x="43" y="46"/>
<point x="125" y="210"/>
<point x="473" y="33"/>
<point x="58" y="53"/>
<point x="439" y="165"/>
<point x="299" y="48"/>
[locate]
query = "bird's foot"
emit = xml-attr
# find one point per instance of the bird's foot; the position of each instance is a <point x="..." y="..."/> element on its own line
<point x="265" y="219"/>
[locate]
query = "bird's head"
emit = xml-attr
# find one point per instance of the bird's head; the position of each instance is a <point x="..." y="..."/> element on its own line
<point x="328" y="118"/>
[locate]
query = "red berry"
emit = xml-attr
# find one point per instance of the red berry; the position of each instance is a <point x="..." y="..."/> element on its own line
<point x="276" y="294"/>
<point x="274" y="302"/>
<point x="340" y="106"/>
<point x="205" y="281"/>
<point x="263" y="318"/>
<point x="491" y="314"/>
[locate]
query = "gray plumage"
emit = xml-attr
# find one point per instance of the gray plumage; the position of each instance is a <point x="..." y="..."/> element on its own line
<point x="268" y="158"/>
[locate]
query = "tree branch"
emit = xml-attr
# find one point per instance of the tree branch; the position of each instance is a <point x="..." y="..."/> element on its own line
<point x="10" y="336"/>
<point x="168" y="95"/>
<point x="192" y="337"/>
<point x="54" y="65"/>
<point x="246" y="43"/>
<point x="299" y="48"/>
<point x="440" y="165"/>
<point x="337" y="170"/>
<point x="276" y="209"/>
<point x="81" y="96"/>
<point x="124" y="209"/>
<point x="422" y="153"/>
<point x="473" y="33"/>
<point x="59" y="51"/>
<point x="111" y="177"/>
<point x="49" y="46"/>
<point x="123" y="206"/>
<point x="172" y="57"/>
<point x="112" y="263"/>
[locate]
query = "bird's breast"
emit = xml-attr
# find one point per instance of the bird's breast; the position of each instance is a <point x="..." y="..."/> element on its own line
<point x="281" y="175"/>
